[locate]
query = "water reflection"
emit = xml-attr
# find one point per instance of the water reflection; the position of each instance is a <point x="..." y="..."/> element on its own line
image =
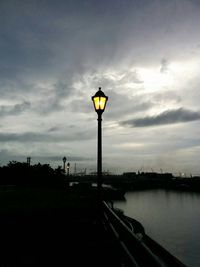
<point x="171" y="218"/>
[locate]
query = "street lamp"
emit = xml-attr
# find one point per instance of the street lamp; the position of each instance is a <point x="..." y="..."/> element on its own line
<point x="99" y="101"/>
<point x="64" y="161"/>
<point x="68" y="166"/>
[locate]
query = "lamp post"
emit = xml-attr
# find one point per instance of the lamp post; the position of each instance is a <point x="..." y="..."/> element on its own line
<point x="64" y="161"/>
<point x="99" y="101"/>
<point x="68" y="166"/>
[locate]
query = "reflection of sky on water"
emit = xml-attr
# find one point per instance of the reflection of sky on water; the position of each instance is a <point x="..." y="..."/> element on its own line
<point x="171" y="218"/>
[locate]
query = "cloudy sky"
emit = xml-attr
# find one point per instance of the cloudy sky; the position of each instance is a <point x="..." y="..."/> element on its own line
<point x="145" y="54"/>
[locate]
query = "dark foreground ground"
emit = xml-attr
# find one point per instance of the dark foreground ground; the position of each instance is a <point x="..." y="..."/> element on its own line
<point x="53" y="228"/>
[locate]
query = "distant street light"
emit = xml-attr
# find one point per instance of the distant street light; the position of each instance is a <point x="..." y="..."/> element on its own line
<point x="99" y="101"/>
<point x="64" y="161"/>
<point x="68" y="166"/>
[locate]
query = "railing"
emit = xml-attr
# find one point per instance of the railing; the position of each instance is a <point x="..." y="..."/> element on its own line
<point x="134" y="251"/>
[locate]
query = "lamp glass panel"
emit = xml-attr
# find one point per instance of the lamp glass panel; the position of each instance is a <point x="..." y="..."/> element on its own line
<point x="96" y="102"/>
<point x="102" y="103"/>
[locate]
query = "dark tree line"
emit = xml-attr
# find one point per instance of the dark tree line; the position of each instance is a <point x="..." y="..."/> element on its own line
<point x="38" y="175"/>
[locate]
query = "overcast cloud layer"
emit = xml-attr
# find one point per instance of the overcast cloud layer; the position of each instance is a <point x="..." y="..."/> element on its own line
<point x="144" y="54"/>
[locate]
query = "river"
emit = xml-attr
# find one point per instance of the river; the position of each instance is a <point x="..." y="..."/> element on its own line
<point x="172" y="218"/>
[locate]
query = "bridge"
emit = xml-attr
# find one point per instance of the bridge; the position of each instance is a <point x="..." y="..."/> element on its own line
<point x="74" y="230"/>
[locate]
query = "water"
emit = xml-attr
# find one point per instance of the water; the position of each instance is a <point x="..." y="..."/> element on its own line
<point x="169" y="217"/>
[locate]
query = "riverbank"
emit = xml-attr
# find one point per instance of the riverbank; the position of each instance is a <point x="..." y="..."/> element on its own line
<point x="133" y="181"/>
<point x="52" y="228"/>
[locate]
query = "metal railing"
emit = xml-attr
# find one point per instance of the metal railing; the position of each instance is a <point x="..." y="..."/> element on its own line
<point x="135" y="252"/>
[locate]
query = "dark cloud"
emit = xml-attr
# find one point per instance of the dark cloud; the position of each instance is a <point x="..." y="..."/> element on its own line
<point x="43" y="137"/>
<point x="166" y="117"/>
<point x="14" y="109"/>
<point x="24" y="137"/>
<point x="39" y="36"/>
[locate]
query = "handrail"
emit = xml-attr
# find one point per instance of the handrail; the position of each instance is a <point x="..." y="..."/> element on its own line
<point x="141" y="254"/>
